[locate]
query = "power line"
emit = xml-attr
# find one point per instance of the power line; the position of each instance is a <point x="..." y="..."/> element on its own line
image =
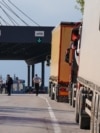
<point x="23" y="13"/>
<point x="4" y="21"/>
<point x="3" y="3"/>
<point x="0" y="23"/>
<point x="15" y="14"/>
<point x="9" y="15"/>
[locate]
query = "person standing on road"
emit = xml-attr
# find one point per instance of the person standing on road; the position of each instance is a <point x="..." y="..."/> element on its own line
<point x="37" y="81"/>
<point x="9" y="82"/>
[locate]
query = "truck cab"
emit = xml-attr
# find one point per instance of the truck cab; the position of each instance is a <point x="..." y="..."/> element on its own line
<point x="72" y="58"/>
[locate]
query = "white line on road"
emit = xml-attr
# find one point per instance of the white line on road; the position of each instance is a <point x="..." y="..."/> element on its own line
<point x="53" y="117"/>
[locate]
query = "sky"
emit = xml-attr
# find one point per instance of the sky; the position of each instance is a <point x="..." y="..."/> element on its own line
<point x="44" y="13"/>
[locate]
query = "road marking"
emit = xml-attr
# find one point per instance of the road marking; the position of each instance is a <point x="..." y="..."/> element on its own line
<point x="55" y="123"/>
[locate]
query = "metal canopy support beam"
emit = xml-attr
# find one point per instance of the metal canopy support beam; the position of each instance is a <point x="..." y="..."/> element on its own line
<point x="42" y="73"/>
<point x="28" y="68"/>
<point x="33" y="68"/>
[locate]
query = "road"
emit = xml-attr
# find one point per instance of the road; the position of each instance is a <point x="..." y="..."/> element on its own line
<point x="28" y="113"/>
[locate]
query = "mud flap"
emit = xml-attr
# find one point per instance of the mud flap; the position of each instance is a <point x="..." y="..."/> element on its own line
<point x="84" y="121"/>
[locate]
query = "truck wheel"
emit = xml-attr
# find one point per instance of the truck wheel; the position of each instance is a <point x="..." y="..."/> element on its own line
<point x="70" y="97"/>
<point x="49" y="93"/>
<point x="77" y="117"/>
<point x="84" y="122"/>
<point x="74" y="103"/>
<point x="57" y="98"/>
<point x="77" y="112"/>
<point x="52" y="96"/>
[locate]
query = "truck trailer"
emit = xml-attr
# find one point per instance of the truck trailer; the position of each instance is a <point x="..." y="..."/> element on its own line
<point x="59" y="69"/>
<point x="87" y="103"/>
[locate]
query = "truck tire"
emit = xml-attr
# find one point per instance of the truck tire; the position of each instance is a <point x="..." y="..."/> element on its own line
<point x="49" y="92"/>
<point x="70" y="98"/>
<point x="57" y="99"/>
<point x="84" y="121"/>
<point x="73" y="103"/>
<point x="52" y="96"/>
<point x="76" y="114"/>
<point x="77" y="117"/>
<point x="77" y="110"/>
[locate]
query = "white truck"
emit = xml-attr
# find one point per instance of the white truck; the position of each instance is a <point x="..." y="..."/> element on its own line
<point x="88" y="81"/>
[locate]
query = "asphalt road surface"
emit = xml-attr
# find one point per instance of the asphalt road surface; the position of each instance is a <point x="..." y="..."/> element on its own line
<point x="28" y="113"/>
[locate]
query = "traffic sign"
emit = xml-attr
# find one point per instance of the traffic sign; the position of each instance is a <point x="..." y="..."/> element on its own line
<point x="39" y="33"/>
<point x="39" y="40"/>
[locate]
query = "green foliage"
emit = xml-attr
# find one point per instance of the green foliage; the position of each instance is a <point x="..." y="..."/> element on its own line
<point x="80" y="5"/>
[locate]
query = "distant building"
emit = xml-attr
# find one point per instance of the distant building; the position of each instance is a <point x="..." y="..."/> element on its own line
<point x="18" y="85"/>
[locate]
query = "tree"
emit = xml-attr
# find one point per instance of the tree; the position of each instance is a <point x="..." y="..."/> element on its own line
<point x="80" y="5"/>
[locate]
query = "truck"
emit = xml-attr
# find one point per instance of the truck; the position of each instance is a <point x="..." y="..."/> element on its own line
<point x="73" y="60"/>
<point x="87" y="85"/>
<point x="59" y="69"/>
